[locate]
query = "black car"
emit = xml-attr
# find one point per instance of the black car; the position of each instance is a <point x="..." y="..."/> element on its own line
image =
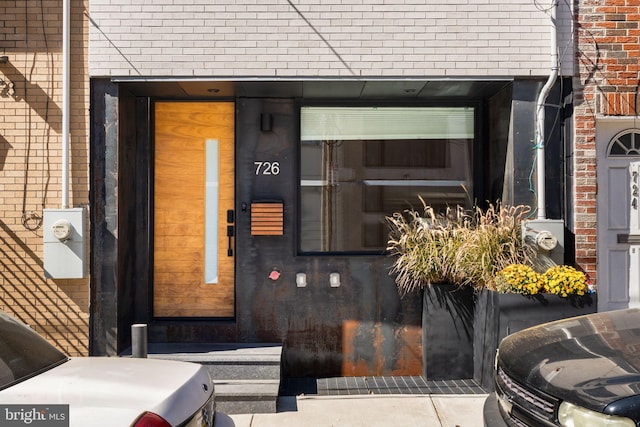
<point x="583" y="371"/>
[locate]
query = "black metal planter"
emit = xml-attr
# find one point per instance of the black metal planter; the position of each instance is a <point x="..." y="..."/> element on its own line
<point x="498" y="315"/>
<point x="447" y="332"/>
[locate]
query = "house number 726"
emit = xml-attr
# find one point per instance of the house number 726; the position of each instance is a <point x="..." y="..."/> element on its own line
<point x="267" y="168"/>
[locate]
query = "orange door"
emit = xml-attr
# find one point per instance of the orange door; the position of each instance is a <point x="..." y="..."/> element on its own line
<point x="193" y="257"/>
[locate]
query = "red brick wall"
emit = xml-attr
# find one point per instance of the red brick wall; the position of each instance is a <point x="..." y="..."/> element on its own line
<point x="30" y="164"/>
<point x="608" y="55"/>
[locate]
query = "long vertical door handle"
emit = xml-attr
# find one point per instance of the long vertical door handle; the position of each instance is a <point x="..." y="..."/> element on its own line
<point x="230" y="230"/>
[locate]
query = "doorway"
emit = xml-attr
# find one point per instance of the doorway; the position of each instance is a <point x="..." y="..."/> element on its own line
<point x="618" y="282"/>
<point x="193" y="217"/>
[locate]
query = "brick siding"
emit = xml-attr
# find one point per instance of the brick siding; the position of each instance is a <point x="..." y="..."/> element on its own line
<point x="328" y="38"/>
<point x="608" y="58"/>
<point x="30" y="166"/>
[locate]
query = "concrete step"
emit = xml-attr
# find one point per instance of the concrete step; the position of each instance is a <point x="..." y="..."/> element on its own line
<point x="247" y="396"/>
<point x="226" y="361"/>
<point x="246" y="376"/>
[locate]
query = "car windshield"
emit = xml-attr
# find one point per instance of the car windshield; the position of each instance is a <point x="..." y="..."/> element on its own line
<point x="23" y="353"/>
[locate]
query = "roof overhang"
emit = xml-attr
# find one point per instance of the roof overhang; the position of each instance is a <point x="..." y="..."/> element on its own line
<point x="344" y="88"/>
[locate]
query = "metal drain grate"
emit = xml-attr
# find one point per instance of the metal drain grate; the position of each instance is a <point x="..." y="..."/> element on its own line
<point x="377" y="385"/>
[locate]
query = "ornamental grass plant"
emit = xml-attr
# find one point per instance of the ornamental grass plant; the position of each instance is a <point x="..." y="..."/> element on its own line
<point x="465" y="247"/>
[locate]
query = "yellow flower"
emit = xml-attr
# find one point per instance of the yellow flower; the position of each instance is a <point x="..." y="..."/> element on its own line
<point x="565" y="280"/>
<point x="518" y="278"/>
<point x="562" y="280"/>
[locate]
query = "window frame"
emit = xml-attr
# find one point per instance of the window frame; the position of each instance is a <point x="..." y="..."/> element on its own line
<point x="475" y="152"/>
<point x="634" y="133"/>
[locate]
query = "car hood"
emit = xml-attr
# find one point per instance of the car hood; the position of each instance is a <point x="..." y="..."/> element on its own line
<point x="592" y="361"/>
<point x="116" y="391"/>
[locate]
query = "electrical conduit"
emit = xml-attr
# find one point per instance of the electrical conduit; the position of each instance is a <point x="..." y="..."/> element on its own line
<point x="540" y="106"/>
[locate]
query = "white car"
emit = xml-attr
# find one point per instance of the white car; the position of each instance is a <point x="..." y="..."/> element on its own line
<point x="37" y="380"/>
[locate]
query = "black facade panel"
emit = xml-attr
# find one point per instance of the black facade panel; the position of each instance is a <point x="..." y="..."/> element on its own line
<point x="325" y="330"/>
<point x="103" y="218"/>
<point x="362" y="327"/>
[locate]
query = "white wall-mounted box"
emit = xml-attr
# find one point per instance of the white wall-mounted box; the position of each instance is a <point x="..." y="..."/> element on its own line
<point x="64" y="257"/>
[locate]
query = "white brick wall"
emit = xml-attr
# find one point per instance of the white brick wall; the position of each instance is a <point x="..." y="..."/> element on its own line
<point x="259" y="38"/>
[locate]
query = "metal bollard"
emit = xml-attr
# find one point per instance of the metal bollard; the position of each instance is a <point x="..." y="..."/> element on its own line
<point x="139" y="340"/>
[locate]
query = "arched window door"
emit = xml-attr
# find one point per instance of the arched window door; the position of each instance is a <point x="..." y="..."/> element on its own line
<point x="618" y="254"/>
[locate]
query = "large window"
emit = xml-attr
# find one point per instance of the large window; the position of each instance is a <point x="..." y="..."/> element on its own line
<point x="360" y="164"/>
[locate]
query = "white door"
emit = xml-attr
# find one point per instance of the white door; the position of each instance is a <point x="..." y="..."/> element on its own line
<point x="618" y="244"/>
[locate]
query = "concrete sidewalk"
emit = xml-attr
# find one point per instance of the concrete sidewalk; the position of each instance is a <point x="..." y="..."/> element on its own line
<point x="367" y="411"/>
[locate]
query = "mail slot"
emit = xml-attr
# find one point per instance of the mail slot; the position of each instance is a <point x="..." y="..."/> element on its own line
<point x="633" y="239"/>
<point x="267" y="218"/>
